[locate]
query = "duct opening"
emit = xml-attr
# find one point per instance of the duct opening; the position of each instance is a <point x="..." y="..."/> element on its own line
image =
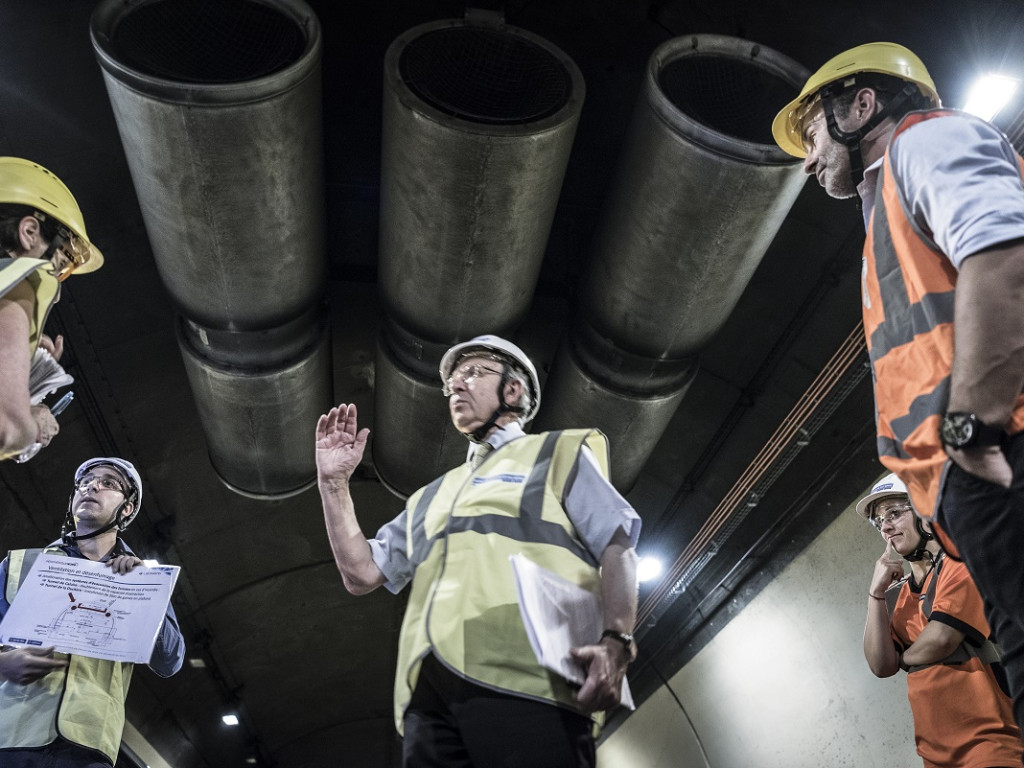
<point x="736" y="97"/>
<point x="196" y="41"/>
<point x="485" y="76"/>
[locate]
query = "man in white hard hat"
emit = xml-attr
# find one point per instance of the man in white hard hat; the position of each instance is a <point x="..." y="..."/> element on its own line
<point x="932" y="624"/>
<point x="42" y="241"/>
<point x="943" y="201"/>
<point x="58" y="709"/>
<point x="468" y="686"/>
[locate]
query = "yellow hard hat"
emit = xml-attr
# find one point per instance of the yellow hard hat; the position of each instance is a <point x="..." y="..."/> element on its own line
<point x="882" y="58"/>
<point x="23" y="182"/>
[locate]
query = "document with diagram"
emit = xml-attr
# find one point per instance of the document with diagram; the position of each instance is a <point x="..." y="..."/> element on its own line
<point x="559" y="615"/>
<point x="84" y="608"/>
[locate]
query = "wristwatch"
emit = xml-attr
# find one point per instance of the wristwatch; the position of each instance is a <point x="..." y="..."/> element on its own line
<point x="628" y="643"/>
<point x="961" y="429"/>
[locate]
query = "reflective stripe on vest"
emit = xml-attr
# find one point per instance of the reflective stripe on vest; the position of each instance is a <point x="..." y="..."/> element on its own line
<point x="83" y="703"/>
<point x="908" y="298"/>
<point x="461" y="530"/>
<point x="39" y="275"/>
<point x="988" y="652"/>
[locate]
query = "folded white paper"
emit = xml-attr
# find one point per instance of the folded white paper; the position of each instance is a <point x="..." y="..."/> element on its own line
<point x="45" y="376"/>
<point x="559" y="615"/>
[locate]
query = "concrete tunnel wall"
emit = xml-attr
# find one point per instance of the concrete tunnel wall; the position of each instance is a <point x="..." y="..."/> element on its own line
<point x="784" y="684"/>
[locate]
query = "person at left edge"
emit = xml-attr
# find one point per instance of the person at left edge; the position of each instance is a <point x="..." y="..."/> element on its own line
<point x="469" y="690"/>
<point x="42" y="241"/>
<point x="59" y="710"/>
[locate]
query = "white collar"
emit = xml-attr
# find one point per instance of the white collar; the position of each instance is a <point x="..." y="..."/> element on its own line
<point x="506" y="434"/>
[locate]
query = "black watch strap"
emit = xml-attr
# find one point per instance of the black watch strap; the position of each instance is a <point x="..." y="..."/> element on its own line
<point x="962" y="429"/>
<point x="628" y="643"/>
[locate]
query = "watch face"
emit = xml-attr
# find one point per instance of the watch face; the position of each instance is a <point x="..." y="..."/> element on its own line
<point x="957" y="429"/>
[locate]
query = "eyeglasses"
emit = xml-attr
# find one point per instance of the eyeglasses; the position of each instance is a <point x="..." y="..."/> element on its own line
<point x="893" y="514"/>
<point x="70" y="246"/>
<point x="72" y="249"/>
<point x="468" y="374"/>
<point x="103" y="482"/>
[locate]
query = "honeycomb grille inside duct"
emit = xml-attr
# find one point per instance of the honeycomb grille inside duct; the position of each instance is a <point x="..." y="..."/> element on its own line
<point x="734" y="97"/>
<point x="485" y="76"/>
<point x="199" y="41"/>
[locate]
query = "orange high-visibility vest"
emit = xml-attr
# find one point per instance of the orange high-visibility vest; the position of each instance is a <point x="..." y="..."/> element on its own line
<point x="908" y="288"/>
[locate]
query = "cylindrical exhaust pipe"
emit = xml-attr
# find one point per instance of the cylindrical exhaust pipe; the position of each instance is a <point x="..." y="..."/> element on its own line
<point x="218" y="107"/>
<point x="478" y="122"/>
<point x="699" y="193"/>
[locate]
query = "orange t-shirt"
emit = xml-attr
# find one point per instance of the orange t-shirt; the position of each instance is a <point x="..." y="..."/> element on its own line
<point x="962" y="718"/>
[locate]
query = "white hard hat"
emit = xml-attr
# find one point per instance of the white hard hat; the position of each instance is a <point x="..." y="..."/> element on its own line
<point x="506" y="351"/>
<point x="890" y="485"/>
<point x="130" y="474"/>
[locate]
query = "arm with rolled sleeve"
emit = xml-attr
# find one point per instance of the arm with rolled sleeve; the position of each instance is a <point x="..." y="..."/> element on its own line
<point x="960" y="180"/>
<point x="609" y="528"/>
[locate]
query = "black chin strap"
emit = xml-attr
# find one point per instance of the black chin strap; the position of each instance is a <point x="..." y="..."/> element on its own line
<point x="923" y="537"/>
<point x="70" y="536"/>
<point x="852" y="139"/>
<point x="479" y="435"/>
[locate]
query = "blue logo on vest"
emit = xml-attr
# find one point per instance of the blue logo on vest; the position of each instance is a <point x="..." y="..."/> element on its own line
<point x="504" y="477"/>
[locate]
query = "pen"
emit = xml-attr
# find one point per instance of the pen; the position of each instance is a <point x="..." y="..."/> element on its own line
<point x="57" y="409"/>
<point x="64" y="402"/>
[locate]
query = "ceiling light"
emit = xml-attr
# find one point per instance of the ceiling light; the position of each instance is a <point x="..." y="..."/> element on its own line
<point x="250" y="761"/>
<point x="648" y="568"/>
<point x="989" y="94"/>
<point x="197" y="663"/>
<point x="230" y="719"/>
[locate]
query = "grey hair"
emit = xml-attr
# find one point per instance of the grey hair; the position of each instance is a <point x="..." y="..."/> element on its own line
<point x="525" y="402"/>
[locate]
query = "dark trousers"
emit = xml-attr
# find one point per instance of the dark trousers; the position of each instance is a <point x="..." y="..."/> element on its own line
<point x="451" y="723"/>
<point x="59" y="754"/>
<point x="986" y="522"/>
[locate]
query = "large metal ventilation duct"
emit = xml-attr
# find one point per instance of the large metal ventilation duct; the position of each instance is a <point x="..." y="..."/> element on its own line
<point x="478" y="122"/>
<point x="699" y="193"/>
<point x="218" y="107"/>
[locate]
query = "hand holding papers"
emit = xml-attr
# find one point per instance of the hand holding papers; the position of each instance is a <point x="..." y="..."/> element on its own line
<point x="558" y="615"/>
<point x="81" y="607"/>
<point x="45" y="376"/>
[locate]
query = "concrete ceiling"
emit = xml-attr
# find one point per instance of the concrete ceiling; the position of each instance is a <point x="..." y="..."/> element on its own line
<point x="307" y="667"/>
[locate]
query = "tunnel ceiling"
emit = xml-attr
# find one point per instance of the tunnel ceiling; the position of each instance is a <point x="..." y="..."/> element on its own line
<point x="272" y="634"/>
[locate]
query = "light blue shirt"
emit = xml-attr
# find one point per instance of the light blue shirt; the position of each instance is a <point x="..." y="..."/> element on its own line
<point x="960" y="183"/>
<point x="596" y="510"/>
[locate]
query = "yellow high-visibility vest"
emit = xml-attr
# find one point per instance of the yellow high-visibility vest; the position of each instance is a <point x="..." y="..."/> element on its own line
<point x="82" y="703"/>
<point x="39" y="274"/>
<point x="461" y="531"/>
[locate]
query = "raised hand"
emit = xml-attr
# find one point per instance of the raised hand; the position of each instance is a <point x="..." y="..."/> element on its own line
<point x="888" y="569"/>
<point x="339" y="444"/>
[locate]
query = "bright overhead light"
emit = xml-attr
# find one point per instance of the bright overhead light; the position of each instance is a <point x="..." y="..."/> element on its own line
<point x="989" y="94"/>
<point x="230" y="719"/>
<point x="250" y="761"/>
<point x="648" y="568"/>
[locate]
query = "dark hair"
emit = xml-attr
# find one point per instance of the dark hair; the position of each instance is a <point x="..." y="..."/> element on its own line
<point x="11" y="215"/>
<point x="885" y="87"/>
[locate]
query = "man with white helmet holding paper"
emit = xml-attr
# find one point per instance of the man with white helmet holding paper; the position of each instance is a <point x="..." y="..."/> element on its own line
<point x="468" y="686"/>
<point x="61" y="709"/>
<point x="932" y="624"/>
